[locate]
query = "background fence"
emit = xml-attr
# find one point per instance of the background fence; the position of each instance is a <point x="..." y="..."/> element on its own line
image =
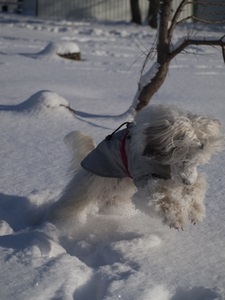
<point x="111" y="10"/>
<point x="11" y="6"/>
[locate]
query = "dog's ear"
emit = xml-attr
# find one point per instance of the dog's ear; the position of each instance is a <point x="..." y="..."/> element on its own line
<point x="157" y="136"/>
<point x="208" y="131"/>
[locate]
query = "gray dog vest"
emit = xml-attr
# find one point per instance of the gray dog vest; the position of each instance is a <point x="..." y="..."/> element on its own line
<point x="105" y="160"/>
<point x="113" y="158"/>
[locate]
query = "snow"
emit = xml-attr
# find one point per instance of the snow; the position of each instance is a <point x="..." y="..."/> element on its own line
<point x="55" y="48"/>
<point x="123" y="255"/>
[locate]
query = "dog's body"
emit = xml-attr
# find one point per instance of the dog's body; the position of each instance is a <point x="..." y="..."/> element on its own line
<point x="153" y="162"/>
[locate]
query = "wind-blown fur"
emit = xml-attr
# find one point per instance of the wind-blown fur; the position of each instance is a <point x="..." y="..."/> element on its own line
<point x="160" y="136"/>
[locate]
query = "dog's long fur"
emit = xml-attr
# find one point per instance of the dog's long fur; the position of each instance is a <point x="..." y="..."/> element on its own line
<point x="164" y="135"/>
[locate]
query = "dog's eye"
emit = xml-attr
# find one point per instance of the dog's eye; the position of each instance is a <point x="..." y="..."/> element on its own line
<point x="201" y="146"/>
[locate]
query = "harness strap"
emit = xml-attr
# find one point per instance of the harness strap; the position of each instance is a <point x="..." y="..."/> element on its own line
<point x="111" y="135"/>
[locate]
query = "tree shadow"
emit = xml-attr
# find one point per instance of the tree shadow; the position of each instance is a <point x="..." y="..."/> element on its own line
<point x="104" y="256"/>
<point x="25" y="240"/>
<point x="196" y="293"/>
<point x="25" y="221"/>
<point x="19" y="212"/>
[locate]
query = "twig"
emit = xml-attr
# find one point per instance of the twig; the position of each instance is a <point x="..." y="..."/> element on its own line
<point x="223" y="53"/>
<point x="175" y="18"/>
<point x="200" y="20"/>
<point x="206" y="3"/>
<point x="69" y="108"/>
<point x="198" y="42"/>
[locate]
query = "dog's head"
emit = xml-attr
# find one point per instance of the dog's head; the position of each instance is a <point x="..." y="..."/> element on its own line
<point x="183" y="142"/>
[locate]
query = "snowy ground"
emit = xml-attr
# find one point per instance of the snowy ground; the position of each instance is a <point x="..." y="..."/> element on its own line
<point x="122" y="256"/>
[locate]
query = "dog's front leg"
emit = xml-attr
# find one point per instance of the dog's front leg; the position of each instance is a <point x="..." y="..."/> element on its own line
<point x="176" y="204"/>
<point x="196" y="198"/>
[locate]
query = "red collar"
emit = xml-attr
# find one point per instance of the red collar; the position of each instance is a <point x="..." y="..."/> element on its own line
<point x="123" y="153"/>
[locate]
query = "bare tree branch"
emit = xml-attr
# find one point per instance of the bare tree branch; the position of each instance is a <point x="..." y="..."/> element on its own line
<point x="198" y="42"/>
<point x="175" y="18"/>
<point x="223" y="53"/>
<point x="153" y="79"/>
<point x="205" y="3"/>
<point x="149" y="56"/>
<point x="200" y="20"/>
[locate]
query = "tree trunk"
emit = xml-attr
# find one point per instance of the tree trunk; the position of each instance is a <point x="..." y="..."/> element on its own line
<point x="153" y="10"/>
<point x="163" y="58"/>
<point x="153" y="86"/>
<point x="135" y="12"/>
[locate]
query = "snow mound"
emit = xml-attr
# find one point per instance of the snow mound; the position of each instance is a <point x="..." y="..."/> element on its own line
<point x="42" y="101"/>
<point x="56" y="49"/>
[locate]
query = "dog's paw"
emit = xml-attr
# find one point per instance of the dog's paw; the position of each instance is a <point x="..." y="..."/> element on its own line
<point x="173" y="214"/>
<point x="196" y="213"/>
<point x="176" y="226"/>
<point x="178" y="223"/>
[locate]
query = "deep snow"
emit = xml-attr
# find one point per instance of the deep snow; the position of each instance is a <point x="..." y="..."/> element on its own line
<point x="125" y="255"/>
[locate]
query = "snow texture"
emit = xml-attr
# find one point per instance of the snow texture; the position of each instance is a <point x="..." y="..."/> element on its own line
<point x="125" y="254"/>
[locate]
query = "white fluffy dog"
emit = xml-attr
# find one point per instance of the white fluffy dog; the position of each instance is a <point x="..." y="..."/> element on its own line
<point x="153" y="163"/>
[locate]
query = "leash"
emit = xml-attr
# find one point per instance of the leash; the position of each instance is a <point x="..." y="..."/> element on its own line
<point x="108" y="138"/>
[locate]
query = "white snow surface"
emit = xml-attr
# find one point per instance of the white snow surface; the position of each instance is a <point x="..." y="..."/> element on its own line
<point x="125" y="255"/>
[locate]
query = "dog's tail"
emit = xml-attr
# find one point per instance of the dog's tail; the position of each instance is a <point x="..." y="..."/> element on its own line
<point x="81" y="145"/>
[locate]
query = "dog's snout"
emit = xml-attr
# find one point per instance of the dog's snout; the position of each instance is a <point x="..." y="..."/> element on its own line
<point x="186" y="181"/>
